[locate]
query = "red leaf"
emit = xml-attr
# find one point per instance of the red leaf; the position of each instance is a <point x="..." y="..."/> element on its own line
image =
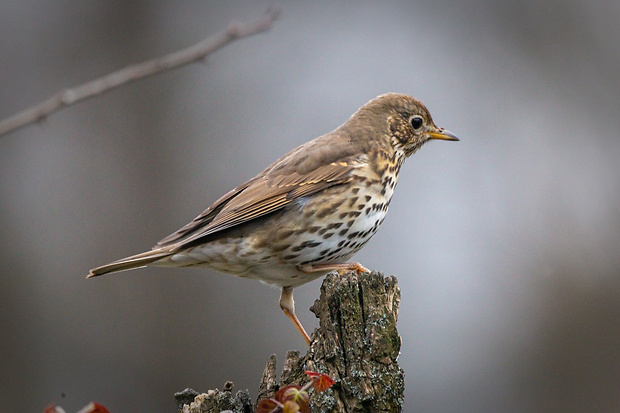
<point x="312" y="374"/>
<point x="52" y="408"/>
<point x="93" y="407"/>
<point x="280" y="394"/>
<point x="267" y="406"/>
<point x="295" y="394"/>
<point x="291" y="407"/>
<point x="322" y="381"/>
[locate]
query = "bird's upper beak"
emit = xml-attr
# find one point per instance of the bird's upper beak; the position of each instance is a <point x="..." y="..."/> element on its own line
<point x="443" y="135"/>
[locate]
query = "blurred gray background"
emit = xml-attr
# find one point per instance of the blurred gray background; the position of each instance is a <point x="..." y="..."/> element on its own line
<point x="506" y="245"/>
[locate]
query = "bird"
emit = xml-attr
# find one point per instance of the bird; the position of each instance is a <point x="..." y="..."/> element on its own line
<point x="307" y="213"/>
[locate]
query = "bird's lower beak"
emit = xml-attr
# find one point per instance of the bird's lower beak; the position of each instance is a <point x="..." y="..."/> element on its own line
<point x="443" y="135"/>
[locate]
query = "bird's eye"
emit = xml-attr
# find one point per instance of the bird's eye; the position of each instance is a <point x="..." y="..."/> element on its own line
<point x="417" y="122"/>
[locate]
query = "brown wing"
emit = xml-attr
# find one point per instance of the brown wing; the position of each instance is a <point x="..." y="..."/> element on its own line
<point x="287" y="180"/>
<point x="203" y="219"/>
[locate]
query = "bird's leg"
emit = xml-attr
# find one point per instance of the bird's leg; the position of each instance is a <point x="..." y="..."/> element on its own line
<point x="287" y="304"/>
<point x="341" y="268"/>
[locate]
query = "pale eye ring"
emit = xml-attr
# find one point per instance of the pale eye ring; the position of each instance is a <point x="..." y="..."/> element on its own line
<point x="417" y="122"/>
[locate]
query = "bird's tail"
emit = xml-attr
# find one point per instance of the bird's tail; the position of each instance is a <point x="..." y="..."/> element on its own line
<point x="130" y="263"/>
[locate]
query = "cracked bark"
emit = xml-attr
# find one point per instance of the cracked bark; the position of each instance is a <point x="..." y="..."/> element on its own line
<point x="357" y="344"/>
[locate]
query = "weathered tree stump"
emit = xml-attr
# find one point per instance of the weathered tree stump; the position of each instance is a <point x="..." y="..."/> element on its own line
<point x="357" y="344"/>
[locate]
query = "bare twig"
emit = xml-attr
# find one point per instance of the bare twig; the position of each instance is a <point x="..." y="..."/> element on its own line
<point x="194" y="53"/>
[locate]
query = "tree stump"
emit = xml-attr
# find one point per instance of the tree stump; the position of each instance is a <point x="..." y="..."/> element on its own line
<point x="357" y="344"/>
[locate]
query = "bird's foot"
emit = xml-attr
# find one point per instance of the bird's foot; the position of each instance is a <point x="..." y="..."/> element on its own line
<point x="341" y="268"/>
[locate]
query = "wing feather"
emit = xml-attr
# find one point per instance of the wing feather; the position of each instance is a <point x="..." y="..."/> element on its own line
<point x="258" y="197"/>
<point x="203" y="219"/>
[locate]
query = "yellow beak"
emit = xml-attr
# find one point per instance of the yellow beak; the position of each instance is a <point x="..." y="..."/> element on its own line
<point x="443" y="135"/>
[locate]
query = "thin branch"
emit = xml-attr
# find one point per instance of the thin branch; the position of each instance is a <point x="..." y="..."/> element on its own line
<point x="194" y="53"/>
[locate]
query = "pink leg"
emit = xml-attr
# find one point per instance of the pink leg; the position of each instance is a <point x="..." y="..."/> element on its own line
<point x="288" y="306"/>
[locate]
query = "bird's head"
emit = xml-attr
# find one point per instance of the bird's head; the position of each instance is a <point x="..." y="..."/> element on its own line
<point x="404" y="120"/>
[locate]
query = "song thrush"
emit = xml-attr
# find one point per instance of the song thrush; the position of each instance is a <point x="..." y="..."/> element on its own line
<point x="309" y="211"/>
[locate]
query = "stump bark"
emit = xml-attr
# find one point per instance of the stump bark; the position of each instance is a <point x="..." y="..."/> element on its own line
<point x="357" y="344"/>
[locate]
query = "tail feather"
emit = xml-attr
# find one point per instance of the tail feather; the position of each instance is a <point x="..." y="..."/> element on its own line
<point x="130" y="263"/>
